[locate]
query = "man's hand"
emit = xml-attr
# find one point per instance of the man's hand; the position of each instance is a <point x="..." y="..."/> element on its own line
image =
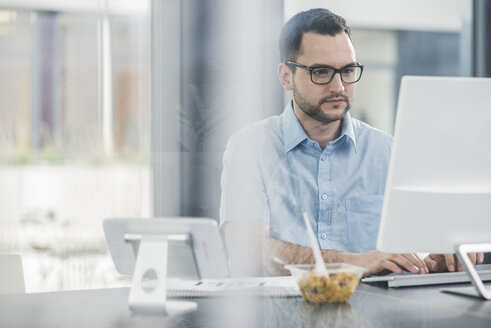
<point x="378" y="262"/>
<point x="450" y="262"/>
<point x="253" y="253"/>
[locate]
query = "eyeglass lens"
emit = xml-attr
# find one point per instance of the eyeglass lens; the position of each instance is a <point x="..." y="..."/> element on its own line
<point x="349" y="74"/>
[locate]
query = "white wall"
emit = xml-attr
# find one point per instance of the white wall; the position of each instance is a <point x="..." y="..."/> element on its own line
<point x="433" y="15"/>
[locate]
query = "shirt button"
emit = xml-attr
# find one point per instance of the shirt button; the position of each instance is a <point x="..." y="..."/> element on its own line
<point x="323" y="158"/>
<point x="324" y="196"/>
<point x="324" y="236"/>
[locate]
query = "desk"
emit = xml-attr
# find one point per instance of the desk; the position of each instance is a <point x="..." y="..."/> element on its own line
<point x="370" y="306"/>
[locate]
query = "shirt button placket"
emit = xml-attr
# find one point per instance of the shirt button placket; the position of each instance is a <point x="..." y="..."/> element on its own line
<point x="324" y="208"/>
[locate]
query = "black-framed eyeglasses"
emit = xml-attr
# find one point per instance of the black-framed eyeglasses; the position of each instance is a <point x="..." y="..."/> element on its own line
<point x="324" y="74"/>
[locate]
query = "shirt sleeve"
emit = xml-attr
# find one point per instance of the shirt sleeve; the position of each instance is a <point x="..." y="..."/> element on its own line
<point x="243" y="192"/>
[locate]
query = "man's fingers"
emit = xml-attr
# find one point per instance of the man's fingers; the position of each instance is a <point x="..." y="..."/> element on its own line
<point x="450" y="262"/>
<point x="403" y="262"/>
<point x="421" y="264"/>
<point x="458" y="264"/>
<point x="416" y="261"/>
<point x="472" y="257"/>
<point x="389" y="265"/>
<point x="431" y="264"/>
<point x="475" y="258"/>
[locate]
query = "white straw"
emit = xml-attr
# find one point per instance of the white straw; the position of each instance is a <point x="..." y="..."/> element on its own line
<point x="320" y="266"/>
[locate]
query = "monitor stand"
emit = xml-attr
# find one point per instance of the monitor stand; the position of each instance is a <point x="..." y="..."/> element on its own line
<point x="151" y="263"/>
<point x="478" y="289"/>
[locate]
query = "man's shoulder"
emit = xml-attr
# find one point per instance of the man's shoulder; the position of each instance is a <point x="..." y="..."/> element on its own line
<point x="260" y="134"/>
<point x="365" y="132"/>
<point x="255" y="145"/>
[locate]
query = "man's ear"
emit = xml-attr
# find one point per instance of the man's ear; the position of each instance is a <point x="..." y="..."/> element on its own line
<point x="285" y="75"/>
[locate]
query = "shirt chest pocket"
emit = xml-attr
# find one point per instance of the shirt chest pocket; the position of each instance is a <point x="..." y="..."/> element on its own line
<point x="363" y="219"/>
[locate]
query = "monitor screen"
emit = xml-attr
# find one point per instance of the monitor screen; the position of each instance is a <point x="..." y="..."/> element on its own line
<point x="438" y="191"/>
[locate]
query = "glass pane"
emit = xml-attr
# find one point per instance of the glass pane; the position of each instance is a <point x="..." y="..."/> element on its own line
<point x="74" y="139"/>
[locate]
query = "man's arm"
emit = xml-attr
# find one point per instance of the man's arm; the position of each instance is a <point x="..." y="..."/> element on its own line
<point x="253" y="253"/>
<point x="375" y="261"/>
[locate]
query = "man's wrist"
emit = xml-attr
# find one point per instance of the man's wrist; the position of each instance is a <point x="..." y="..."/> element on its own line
<point x="332" y="256"/>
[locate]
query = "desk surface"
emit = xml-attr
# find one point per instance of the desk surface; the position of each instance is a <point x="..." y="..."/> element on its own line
<point x="370" y="306"/>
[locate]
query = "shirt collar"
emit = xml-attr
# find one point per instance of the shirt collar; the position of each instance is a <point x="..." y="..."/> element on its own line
<point x="348" y="129"/>
<point x="294" y="134"/>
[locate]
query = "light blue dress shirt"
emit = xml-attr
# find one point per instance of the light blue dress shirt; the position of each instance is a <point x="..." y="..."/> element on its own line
<point x="273" y="172"/>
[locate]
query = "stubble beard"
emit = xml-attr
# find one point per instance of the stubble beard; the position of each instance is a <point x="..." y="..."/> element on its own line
<point x="315" y="111"/>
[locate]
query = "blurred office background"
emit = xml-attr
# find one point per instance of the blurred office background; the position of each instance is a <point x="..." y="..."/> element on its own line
<point x="123" y="108"/>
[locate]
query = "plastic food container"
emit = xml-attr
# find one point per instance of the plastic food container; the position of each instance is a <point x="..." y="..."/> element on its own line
<point x="335" y="287"/>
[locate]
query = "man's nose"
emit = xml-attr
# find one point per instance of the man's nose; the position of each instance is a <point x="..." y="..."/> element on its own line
<point x="336" y="84"/>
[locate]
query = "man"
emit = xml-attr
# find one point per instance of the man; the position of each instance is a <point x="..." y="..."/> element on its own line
<point x="313" y="158"/>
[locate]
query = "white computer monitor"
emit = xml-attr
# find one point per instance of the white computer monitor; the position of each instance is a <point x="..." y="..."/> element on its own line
<point x="438" y="191"/>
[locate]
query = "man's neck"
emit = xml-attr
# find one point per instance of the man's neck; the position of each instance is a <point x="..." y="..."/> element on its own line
<point x="320" y="132"/>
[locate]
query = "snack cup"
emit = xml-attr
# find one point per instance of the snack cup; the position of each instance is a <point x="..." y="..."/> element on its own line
<point x="335" y="287"/>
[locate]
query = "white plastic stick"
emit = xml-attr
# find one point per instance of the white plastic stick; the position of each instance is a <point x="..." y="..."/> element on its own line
<point x="320" y="266"/>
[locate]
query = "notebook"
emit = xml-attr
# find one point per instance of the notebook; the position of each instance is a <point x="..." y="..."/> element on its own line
<point x="411" y="279"/>
<point x="259" y="287"/>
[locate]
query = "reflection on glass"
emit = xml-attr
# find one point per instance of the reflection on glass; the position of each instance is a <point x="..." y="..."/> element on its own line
<point x="74" y="138"/>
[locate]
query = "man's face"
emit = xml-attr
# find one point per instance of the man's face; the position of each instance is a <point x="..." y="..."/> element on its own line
<point x="330" y="102"/>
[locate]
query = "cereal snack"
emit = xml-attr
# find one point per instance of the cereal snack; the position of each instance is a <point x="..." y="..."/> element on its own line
<point x="335" y="287"/>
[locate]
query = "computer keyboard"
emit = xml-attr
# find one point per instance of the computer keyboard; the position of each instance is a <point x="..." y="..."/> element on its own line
<point x="411" y="279"/>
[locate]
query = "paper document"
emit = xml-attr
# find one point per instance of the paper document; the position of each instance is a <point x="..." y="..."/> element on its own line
<point x="263" y="286"/>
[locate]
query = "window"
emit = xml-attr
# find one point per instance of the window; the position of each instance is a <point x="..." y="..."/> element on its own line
<point x="74" y="136"/>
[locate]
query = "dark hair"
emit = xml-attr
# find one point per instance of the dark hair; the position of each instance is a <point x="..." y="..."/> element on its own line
<point x="319" y="20"/>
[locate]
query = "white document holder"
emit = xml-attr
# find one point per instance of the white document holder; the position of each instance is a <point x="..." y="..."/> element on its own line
<point x="140" y="248"/>
<point x="151" y="262"/>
